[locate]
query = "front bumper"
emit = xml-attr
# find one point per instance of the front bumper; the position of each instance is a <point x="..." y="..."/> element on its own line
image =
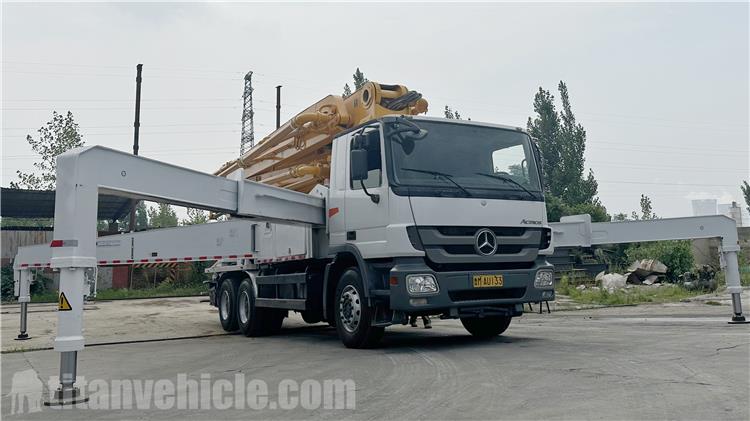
<point x="456" y="290"/>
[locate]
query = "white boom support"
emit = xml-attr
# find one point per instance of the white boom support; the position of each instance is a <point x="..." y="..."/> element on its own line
<point x="579" y="231"/>
<point x="83" y="173"/>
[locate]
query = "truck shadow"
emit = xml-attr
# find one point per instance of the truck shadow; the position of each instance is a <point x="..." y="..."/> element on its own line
<point x="399" y="338"/>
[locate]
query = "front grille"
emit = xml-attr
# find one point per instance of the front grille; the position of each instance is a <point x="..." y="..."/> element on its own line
<point x="482" y="267"/>
<point x="469" y="249"/>
<point x="470" y="231"/>
<point x="487" y="294"/>
<point x="450" y="245"/>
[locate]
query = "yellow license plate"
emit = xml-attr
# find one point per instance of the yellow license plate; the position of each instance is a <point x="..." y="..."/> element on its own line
<point x="488" y="281"/>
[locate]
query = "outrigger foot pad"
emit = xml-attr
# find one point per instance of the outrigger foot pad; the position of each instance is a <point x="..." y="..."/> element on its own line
<point x="67" y="397"/>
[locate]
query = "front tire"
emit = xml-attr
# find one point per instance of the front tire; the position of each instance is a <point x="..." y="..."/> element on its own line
<point x="353" y="315"/>
<point x="486" y="327"/>
<point x="227" y="303"/>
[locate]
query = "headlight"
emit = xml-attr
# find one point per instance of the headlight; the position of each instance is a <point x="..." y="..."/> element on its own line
<point x="544" y="279"/>
<point x="421" y="284"/>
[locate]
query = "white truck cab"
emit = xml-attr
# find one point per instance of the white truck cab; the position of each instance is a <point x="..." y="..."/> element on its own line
<point x="450" y="213"/>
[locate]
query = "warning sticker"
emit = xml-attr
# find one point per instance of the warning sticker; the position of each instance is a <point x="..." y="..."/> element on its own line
<point x="63" y="304"/>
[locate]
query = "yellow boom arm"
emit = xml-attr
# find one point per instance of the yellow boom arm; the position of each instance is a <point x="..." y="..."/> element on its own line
<point x="297" y="155"/>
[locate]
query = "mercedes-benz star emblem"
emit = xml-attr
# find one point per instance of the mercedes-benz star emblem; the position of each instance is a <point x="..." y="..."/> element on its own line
<point x="485" y="242"/>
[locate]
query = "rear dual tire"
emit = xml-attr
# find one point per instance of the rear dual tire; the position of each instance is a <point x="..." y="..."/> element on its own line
<point x="237" y="310"/>
<point x="254" y="321"/>
<point x="227" y="304"/>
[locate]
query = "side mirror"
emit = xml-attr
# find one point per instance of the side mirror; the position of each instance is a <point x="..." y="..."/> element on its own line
<point x="358" y="161"/>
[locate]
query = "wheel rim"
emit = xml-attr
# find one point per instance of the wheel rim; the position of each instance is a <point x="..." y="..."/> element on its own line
<point x="350" y="308"/>
<point x="244" y="307"/>
<point x="224" y="305"/>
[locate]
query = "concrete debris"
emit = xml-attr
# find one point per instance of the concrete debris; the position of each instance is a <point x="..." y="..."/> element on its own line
<point x="613" y="281"/>
<point x="581" y="287"/>
<point x="632" y="278"/>
<point x="646" y="271"/>
<point x="599" y="275"/>
<point x="645" y="267"/>
<point x="651" y="279"/>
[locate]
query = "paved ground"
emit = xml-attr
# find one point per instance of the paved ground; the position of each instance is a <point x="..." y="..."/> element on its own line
<point x="115" y="321"/>
<point x="678" y="361"/>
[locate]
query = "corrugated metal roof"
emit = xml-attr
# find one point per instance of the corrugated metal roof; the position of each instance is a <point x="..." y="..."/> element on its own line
<point x="20" y="203"/>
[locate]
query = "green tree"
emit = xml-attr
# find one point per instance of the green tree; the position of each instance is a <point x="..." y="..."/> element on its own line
<point x="746" y="192"/>
<point x="452" y="114"/>
<point x="359" y="79"/>
<point x="195" y="216"/>
<point x="620" y="217"/>
<point x="347" y="91"/>
<point x="59" y="135"/>
<point x="647" y="212"/>
<point x="141" y="219"/>
<point x="162" y="216"/>
<point x="562" y="143"/>
<point x="545" y="127"/>
<point x="646" y="209"/>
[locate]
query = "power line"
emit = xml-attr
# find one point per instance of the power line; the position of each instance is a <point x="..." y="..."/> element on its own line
<point x="307" y="83"/>
<point x="663" y="184"/>
<point x="127" y="108"/>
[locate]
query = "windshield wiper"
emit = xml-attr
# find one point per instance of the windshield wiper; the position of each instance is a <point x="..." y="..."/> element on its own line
<point x="508" y="180"/>
<point x="440" y="174"/>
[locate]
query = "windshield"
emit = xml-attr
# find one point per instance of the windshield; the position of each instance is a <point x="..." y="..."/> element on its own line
<point x="463" y="160"/>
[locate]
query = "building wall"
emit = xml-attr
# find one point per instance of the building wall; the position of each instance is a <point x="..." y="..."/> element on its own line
<point x="11" y="240"/>
<point x="706" y="251"/>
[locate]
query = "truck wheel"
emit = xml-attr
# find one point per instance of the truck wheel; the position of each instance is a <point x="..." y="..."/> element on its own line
<point x="253" y="321"/>
<point x="228" y="305"/>
<point x="353" y="315"/>
<point x="486" y="327"/>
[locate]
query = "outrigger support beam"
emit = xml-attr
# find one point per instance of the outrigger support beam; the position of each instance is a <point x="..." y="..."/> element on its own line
<point x="579" y="231"/>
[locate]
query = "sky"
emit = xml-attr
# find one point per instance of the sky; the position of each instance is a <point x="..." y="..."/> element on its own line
<point x="661" y="89"/>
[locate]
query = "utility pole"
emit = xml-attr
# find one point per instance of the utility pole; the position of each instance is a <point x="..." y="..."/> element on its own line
<point x="136" y="132"/>
<point x="278" y="106"/>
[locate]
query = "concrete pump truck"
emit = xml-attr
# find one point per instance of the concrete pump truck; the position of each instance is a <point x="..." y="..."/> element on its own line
<point x="357" y="212"/>
<point x="419" y="216"/>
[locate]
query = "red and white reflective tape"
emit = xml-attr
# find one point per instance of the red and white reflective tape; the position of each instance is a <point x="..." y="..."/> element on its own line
<point x="152" y="260"/>
<point x="172" y="259"/>
<point x="34" y="265"/>
<point x="283" y="258"/>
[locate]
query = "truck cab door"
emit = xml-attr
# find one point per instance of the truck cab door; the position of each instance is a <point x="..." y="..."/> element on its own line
<point x="366" y="220"/>
<point x="335" y="206"/>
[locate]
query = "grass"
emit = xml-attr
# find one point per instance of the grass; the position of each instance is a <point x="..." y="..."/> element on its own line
<point x="124" y="294"/>
<point x="664" y="294"/>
